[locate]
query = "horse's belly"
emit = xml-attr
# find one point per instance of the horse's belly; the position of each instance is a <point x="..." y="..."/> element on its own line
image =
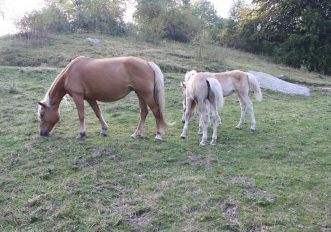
<point x="107" y="95"/>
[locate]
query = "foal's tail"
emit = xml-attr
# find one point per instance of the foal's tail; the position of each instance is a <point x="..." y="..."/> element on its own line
<point x="159" y="90"/>
<point x="216" y="90"/>
<point x="254" y="86"/>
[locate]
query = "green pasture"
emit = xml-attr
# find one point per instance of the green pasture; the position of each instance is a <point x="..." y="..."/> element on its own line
<point x="275" y="179"/>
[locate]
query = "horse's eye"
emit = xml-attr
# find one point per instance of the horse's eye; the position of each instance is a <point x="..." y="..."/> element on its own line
<point x="42" y="114"/>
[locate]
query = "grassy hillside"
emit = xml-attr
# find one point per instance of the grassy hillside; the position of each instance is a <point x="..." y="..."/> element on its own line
<point x="172" y="57"/>
<point x="276" y="179"/>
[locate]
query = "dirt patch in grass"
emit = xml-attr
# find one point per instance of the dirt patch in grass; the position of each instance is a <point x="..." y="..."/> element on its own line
<point x="241" y="180"/>
<point x="139" y="220"/>
<point x="230" y="209"/>
<point x="120" y="189"/>
<point x="200" y="159"/>
<point x="102" y="151"/>
<point x="259" y="196"/>
<point x="96" y="157"/>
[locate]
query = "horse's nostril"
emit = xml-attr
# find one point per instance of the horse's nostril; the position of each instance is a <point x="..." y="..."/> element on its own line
<point x="183" y="121"/>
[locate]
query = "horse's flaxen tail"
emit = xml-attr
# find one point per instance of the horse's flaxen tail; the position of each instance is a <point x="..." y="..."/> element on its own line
<point x="254" y="86"/>
<point x="159" y="90"/>
<point x="216" y="90"/>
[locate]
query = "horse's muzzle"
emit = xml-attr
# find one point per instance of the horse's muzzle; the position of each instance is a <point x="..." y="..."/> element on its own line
<point x="44" y="132"/>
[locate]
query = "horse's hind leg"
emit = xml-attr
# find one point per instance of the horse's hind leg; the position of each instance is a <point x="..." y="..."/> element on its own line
<point x="251" y="113"/>
<point x="200" y="125"/>
<point x="143" y="115"/>
<point x="245" y="102"/>
<point x="243" y="111"/>
<point x="149" y="100"/>
<point x="216" y="122"/>
<point x="97" y="111"/>
<point x="203" y="109"/>
<point x="79" y="101"/>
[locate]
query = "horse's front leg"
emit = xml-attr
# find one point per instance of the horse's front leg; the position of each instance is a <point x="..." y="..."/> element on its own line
<point x="97" y="111"/>
<point x="79" y="101"/>
<point x="188" y="114"/>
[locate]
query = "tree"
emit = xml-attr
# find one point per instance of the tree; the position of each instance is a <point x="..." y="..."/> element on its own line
<point x="208" y="18"/>
<point x="171" y="19"/>
<point x="105" y="16"/>
<point x="295" y="32"/>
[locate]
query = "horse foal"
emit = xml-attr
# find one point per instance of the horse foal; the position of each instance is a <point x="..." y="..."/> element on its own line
<point x="202" y="91"/>
<point x="241" y="83"/>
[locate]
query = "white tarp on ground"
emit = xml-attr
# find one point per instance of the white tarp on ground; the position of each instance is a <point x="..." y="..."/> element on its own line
<point x="268" y="81"/>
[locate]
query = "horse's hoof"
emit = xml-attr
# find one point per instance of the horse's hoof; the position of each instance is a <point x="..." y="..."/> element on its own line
<point x="202" y="143"/>
<point x="158" y="137"/>
<point x="213" y="143"/>
<point x="238" y="127"/>
<point x="81" y="135"/>
<point x="135" y="136"/>
<point x="183" y="136"/>
<point x="253" y="129"/>
<point x="103" y="134"/>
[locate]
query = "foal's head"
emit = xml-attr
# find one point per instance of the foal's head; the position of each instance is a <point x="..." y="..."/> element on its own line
<point x="48" y="117"/>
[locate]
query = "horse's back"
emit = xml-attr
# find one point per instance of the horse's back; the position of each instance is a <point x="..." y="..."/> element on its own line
<point x="108" y="79"/>
<point x="197" y="86"/>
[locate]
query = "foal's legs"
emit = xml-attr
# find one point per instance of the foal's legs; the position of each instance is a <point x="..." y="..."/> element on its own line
<point x="203" y="110"/>
<point x="143" y="115"/>
<point x="243" y="112"/>
<point x="245" y="102"/>
<point x="97" y="111"/>
<point x="188" y="114"/>
<point x="79" y="101"/>
<point x="216" y="122"/>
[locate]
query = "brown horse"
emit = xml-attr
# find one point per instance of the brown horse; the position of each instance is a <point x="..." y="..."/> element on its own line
<point x="105" y="80"/>
<point x="241" y="83"/>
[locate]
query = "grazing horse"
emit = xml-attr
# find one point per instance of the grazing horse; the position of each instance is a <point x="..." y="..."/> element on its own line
<point x="202" y="90"/>
<point x="105" y="80"/>
<point x="241" y="83"/>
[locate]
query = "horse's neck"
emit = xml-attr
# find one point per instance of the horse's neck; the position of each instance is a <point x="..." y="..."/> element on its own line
<point x="56" y="91"/>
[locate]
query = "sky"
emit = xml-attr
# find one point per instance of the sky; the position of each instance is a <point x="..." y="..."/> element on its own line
<point x="15" y="9"/>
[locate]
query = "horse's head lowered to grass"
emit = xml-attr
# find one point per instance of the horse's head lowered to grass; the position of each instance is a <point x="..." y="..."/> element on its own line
<point x="48" y="117"/>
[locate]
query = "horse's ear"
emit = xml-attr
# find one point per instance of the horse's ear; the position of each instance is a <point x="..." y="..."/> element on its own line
<point x="182" y="84"/>
<point x="42" y="104"/>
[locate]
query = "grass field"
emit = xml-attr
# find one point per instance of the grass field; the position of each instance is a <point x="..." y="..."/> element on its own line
<point x="276" y="179"/>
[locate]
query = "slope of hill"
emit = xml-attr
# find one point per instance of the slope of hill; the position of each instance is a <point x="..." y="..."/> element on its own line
<point x="171" y="56"/>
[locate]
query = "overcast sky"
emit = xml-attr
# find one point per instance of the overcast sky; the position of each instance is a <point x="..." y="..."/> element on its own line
<point x="14" y="9"/>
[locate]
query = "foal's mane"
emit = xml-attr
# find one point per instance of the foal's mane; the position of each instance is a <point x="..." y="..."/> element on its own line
<point x="189" y="74"/>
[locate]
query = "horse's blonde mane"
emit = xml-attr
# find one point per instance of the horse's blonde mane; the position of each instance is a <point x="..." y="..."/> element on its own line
<point x="189" y="74"/>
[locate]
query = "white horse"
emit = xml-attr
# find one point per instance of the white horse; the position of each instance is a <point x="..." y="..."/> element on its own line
<point x="241" y="83"/>
<point x="202" y="90"/>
